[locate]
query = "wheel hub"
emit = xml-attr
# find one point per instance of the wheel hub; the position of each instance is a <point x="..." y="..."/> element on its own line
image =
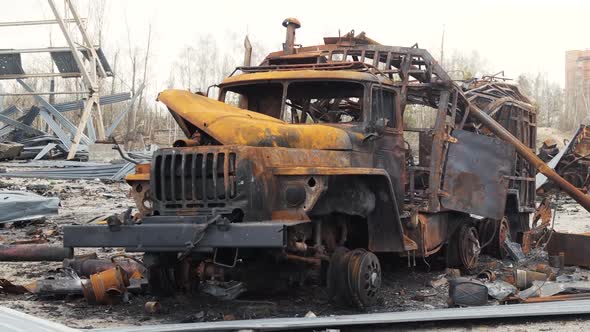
<point x="354" y="277"/>
<point x="469" y="248"/>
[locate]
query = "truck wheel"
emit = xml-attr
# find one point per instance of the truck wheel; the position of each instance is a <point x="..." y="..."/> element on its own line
<point x="354" y="277"/>
<point x="500" y="230"/>
<point x="336" y="275"/>
<point x="464" y="248"/>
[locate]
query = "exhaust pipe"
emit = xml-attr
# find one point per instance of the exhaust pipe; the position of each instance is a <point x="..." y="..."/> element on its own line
<point x="291" y="24"/>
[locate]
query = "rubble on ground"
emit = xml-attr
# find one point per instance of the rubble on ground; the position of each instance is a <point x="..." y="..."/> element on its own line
<point x="82" y="201"/>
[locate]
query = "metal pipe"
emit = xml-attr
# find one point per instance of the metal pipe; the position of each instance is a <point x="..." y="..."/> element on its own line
<point x="531" y="157"/>
<point x="307" y="260"/>
<point x="291" y="24"/>
<point x="43" y="93"/>
<point x="39" y="22"/>
<point x="34" y="253"/>
<point x="88" y="267"/>
<point x="56" y="287"/>
<point x="39" y="75"/>
<point x="41" y="50"/>
<point x="247" y="63"/>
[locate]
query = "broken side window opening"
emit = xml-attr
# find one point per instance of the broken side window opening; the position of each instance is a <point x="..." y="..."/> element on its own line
<point x="418" y="121"/>
<point x="383" y="106"/>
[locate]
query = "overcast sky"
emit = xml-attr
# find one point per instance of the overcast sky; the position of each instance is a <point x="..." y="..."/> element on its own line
<point x="515" y="36"/>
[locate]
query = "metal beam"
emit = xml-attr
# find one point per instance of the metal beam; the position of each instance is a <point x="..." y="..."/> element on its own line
<point x="11" y="110"/>
<point x="98" y="64"/>
<point x="41" y="50"/>
<point x="121" y="116"/>
<point x="100" y="127"/>
<point x="13" y="123"/>
<point x="44" y="151"/>
<point x="38" y="75"/>
<point x="43" y="93"/>
<point x="104" y="100"/>
<point x="39" y="22"/>
<point x="90" y="129"/>
<point x="7" y="112"/>
<point x="174" y="236"/>
<point x="63" y="137"/>
<point x="58" y="116"/>
<point x="79" y="131"/>
<point x="88" y="80"/>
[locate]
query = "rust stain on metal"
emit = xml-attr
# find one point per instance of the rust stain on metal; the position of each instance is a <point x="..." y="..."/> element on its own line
<point x="573" y="246"/>
<point x="106" y="287"/>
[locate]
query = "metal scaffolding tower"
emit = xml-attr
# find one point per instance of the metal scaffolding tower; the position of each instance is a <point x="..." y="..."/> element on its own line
<point x="82" y="60"/>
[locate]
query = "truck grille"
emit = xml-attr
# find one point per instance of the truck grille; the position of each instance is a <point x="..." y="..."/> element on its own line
<point x="185" y="179"/>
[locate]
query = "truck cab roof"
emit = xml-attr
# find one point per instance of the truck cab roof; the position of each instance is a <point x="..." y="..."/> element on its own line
<point x="306" y="74"/>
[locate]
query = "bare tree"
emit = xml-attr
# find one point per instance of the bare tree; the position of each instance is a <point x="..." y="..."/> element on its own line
<point x="133" y="58"/>
<point x="145" y="70"/>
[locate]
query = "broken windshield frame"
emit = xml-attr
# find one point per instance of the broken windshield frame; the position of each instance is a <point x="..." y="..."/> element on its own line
<point x="302" y="101"/>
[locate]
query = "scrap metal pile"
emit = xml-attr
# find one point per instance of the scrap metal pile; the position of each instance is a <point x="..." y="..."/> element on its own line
<point x="572" y="162"/>
<point x="61" y="169"/>
<point x="27" y="142"/>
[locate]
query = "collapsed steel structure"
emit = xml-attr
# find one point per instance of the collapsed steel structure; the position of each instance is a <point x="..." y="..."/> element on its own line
<point x="314" y="174"/>
<point x="572" y="163"/>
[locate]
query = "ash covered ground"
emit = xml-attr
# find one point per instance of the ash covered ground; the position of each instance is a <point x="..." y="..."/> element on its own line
<point x="404" y="288"/>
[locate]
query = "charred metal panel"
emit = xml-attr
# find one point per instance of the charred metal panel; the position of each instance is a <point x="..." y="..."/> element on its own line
<point x="11" y="64"/>
<point x="65" y="62"/>
<point x="573" y="246"/>
<point x="185" y="179"/>
<point x="475" y="175"/>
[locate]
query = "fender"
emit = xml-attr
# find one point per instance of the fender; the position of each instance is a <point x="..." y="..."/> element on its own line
<point x="385" y="229"/>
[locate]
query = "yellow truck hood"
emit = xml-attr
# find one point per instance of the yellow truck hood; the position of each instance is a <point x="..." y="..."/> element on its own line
<point x="230" y="125"/>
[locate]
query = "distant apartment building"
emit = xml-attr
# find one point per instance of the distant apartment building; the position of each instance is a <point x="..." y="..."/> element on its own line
<point x="577" y="85"/>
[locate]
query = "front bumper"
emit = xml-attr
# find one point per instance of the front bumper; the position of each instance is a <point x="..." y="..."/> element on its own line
<point x="158" y="234"/>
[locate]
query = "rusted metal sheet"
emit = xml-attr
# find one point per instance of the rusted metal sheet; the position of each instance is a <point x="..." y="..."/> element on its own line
<point x="106" y="287"/>
<point x="474" y="180"/>
<point x="526" y="153"/>
<point x="573" y="246"/>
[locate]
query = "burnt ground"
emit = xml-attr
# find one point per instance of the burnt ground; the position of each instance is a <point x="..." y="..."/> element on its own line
<point x="404" y="288"/>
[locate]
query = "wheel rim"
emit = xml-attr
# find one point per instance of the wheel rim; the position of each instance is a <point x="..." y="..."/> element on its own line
<point x="368" y="278"/>
<point x="503" y="234"/>
<point x="469" y="248"/>
<point x="354" y="276"/>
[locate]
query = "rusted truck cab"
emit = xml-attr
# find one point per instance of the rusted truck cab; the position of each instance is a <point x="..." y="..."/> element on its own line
<point x="304" y="165"/>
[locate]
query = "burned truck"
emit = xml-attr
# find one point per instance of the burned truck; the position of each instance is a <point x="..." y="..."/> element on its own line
<point x="301" y="168"/>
